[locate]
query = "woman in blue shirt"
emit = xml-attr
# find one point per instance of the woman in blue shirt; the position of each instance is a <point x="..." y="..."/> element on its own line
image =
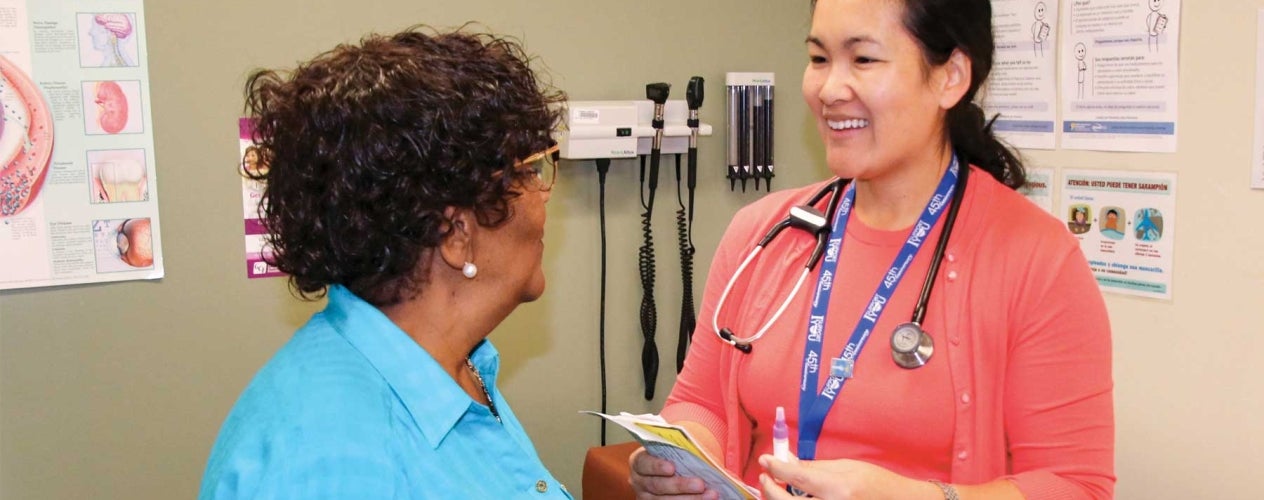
<point x="407" y="183"/>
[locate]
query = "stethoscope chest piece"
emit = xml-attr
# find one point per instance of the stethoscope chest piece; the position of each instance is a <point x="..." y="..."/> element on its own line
<point x="911" y="346"/>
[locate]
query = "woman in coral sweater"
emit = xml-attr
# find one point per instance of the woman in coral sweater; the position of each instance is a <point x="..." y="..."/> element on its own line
<point x="1001" y="388"/>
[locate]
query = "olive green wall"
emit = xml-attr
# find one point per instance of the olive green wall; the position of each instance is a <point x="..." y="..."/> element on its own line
<point x="118" y="391"/>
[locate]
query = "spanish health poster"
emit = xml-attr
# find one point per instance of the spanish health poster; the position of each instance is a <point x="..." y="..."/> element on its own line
<point x="1126" y="224"/>
<point x="1022" y="90"/>
<point x="1039" y="188"/>
<point x="252" y="167"/>
<point x="78" y="198"/>
<point x="1119" y="75"/>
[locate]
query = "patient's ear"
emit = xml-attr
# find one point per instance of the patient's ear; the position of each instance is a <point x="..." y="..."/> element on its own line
<point x="457" y="247"/>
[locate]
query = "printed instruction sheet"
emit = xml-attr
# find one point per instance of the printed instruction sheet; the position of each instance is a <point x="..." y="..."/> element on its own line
<point x="1119" y="75"/>
<point x="1022" y="88"/>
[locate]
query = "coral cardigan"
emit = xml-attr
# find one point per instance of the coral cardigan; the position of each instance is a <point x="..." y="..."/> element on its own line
<point x="1020" y="329"/>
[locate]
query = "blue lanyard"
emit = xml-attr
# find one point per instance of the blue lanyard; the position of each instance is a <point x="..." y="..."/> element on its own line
<point x="813" y="407"/>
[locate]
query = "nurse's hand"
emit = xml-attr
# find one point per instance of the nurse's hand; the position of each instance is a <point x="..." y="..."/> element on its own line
<point x="839" y="480"/>
<point x="653" y="477"/>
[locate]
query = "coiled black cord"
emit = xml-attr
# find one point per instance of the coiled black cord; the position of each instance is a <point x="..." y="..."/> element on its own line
<point x="649" y="312"/>
<point x="684" y="239"/>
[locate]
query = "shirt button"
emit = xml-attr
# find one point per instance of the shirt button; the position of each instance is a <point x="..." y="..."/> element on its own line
<point x="541" y="486"/>
<point x="963" y="454"/>
<point x="965" y="398"/>
<point x="954" y="339"/>
<point x="952" y="257"/>
<point x="952" y="275"/>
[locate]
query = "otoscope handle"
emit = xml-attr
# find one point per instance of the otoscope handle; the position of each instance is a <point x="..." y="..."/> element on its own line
<point x="692" y="176"/>
<point x="654" y="157"/>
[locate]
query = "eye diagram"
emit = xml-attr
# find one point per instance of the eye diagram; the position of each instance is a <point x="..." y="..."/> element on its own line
<point x="26" y="139"/>
<point x="112" y="107"/>
<point x="123" y="244"/>
<point x="107" y="40"/>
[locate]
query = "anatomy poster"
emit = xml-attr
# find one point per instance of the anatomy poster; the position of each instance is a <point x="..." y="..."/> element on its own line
<point x="1119" y="75"/>
<point x="78" y="200"/>
<point x="251" y="166"/>
<point x="1126" y="224"/>
<point x="1022" y="89"/>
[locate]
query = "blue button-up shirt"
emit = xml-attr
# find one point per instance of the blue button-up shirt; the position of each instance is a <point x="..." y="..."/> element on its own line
<point x="352" y="407"/>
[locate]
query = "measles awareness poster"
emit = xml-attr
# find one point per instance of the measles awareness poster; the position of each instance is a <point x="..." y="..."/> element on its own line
<point x="1126" y="224"/>
<point x="1119" y="75"/>
<point x="78" y="197"/>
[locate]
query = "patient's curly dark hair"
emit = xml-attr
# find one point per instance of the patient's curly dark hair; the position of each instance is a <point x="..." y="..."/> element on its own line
<point x="368" y="144"/>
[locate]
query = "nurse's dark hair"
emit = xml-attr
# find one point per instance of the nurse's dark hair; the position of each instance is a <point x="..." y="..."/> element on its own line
<point x="941" y="26"/>
<point x="369" y="143"/>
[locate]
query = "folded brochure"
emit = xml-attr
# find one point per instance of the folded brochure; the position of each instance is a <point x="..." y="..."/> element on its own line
<point x="675" y="444"/>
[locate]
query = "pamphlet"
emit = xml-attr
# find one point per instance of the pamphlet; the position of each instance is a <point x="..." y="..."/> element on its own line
<point x="675" y="444"/>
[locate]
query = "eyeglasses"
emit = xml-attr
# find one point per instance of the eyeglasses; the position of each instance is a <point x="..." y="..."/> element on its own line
<point x="542" y="165"/>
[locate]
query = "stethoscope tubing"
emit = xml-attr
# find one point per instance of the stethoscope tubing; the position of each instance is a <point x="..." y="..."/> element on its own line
<point x="834" y="189"/>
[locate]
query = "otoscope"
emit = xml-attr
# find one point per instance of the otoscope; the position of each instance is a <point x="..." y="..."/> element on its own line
<point x="688" y="317"/>
<point x="693" y="97"/>
<point x="658" y="93"/>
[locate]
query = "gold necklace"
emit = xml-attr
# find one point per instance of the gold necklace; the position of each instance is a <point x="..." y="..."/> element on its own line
<point x="491" y="405"/>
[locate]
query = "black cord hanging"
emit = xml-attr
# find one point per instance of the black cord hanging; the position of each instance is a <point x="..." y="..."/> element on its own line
<point x="649" y="311"/>
<point x="694" y="94"/>
<point x="656" y="92"/>
<point x="684" y="239"/>
<point x="603" y="167"/>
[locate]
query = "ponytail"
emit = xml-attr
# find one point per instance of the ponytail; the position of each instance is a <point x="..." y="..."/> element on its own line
<point x="971" y="134"/>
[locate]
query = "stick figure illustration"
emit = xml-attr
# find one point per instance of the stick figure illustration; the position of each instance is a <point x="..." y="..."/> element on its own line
<point x="1156" y="23"/>
<point x="1080" y="54"/>
<point x="1039" y="31"/>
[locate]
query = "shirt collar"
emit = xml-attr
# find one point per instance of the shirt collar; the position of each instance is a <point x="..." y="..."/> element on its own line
<point x="434" y="401"/>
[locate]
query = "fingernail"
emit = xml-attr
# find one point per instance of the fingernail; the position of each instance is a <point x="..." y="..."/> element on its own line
<point x="763" y="461"/>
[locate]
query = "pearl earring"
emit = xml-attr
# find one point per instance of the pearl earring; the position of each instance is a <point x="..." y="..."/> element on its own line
<point x="469" y="270"/>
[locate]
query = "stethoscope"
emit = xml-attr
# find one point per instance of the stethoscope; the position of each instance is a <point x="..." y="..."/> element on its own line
<point x="911" y="346"/>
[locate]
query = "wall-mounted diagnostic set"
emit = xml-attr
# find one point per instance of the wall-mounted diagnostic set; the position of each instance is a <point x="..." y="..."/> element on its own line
<point x="645" y="129"/>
